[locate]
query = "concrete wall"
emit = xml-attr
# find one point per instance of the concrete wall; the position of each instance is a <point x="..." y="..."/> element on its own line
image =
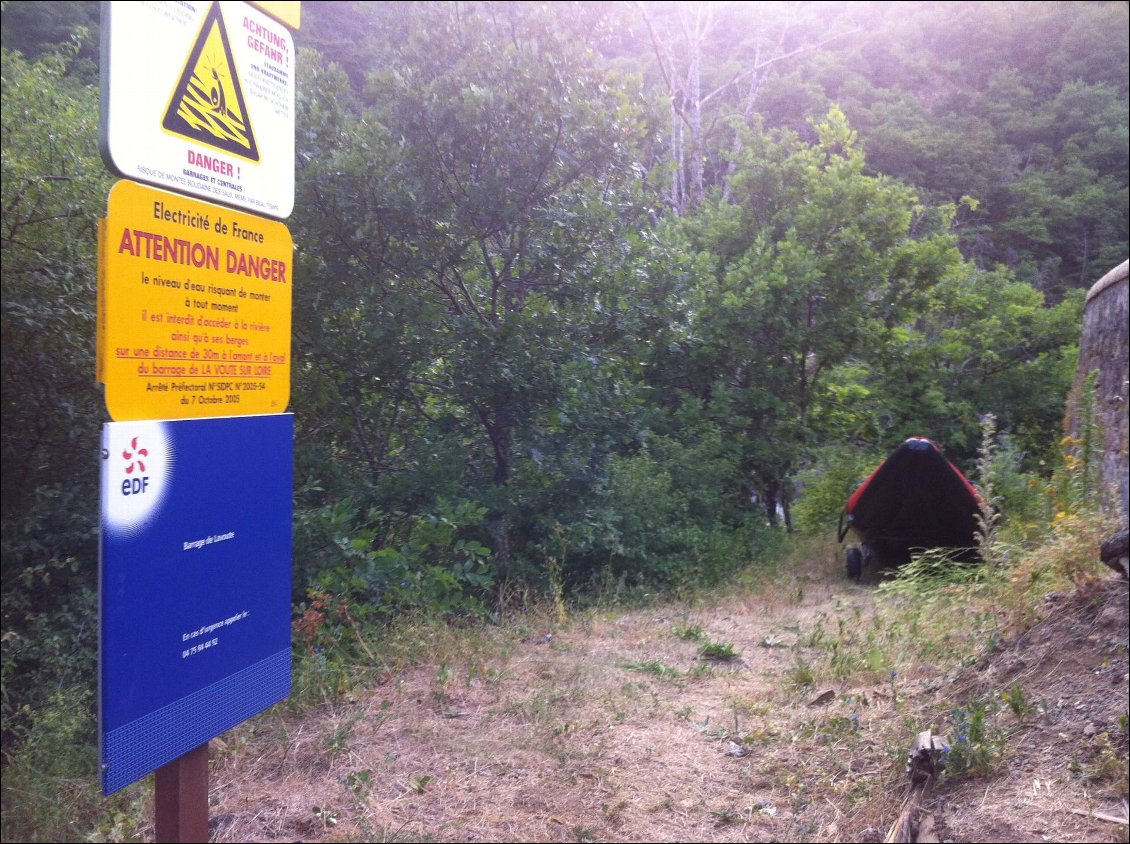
<point x="1104" y="347"/>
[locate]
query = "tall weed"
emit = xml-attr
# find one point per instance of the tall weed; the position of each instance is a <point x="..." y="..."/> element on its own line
<point x="51" y="784"/>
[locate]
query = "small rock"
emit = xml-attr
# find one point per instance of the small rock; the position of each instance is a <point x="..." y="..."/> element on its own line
<point x="823" y="698"/>
<point x="736" y="749"/>
<point x="1090" y="730"/>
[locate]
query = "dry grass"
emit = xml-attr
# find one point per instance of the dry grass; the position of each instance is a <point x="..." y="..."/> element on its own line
<point x="612" y="727"/>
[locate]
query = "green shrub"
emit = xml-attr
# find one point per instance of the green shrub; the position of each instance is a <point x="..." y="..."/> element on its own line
<point x="438" y="568"/>
<point x="1021" y="495"/>
<point x="827" y="484"/>
<point x="719" y="651"/>
<point x="668" y="515"/>
<point x="50" y="637"/>
<point x="53" y="189"/>
<point x="975" y="745"/>
<point x="51" y="788"/>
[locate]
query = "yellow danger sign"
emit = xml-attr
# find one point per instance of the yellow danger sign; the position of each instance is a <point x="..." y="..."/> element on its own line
<point x="194" y="308"/>
<point x="207" y="105"/>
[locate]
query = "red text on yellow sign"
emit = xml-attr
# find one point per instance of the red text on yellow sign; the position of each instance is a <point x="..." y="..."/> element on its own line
<point x="195" y="306"/>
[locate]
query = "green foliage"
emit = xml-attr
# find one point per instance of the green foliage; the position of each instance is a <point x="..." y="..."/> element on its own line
<point x="439" y="567"/>
<point x="323" y="672"/>
<point x="516" y="374"/>
<point x="490" y="330"/>
<point x="53" y="187"/>
<point x="800" y="676"/>
<point x="668" y="515"/>
<point x="929" y="573"/>
<point x="1076" y="484"/>
<point x="962" y="101"/>
<point x="1109" y="762"/>
<point x="828" y="483"/>
<point x="1022" y="119"/>
<point x="1017" y="701"/>
<point x="976" y="746"/>
<point x="988" y="516"/>
<point x="813" y="263"/>
<point x="718" y="651"/>
<point x="48" y="643"/>
<point x="453" y="318"/>
<point x="360" y="783"/>
<point x="655" y="668"/>
<point x="689" y="632"/>
<point x="337" y="742"/>
<point x="980" y="342"/>
<point x="1021" y="493"/>
<point x="51" y="781"/>
<point x="35" y="31"/>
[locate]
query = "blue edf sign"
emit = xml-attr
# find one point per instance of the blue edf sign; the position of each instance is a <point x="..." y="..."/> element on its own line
<point x="195" y="584"/>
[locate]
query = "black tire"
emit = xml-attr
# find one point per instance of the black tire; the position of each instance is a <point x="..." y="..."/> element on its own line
<point x="854" y="563"/>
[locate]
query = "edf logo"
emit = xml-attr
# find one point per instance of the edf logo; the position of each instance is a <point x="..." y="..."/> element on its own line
<point x="137" y="469"/>
<point x="135" y="459"/>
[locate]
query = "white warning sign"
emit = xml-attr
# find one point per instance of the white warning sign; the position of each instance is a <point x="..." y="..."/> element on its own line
<point x="199" y="98"/>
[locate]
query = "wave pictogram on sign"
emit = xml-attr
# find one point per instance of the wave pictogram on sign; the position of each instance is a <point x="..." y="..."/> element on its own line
<point x="207" y="105"/>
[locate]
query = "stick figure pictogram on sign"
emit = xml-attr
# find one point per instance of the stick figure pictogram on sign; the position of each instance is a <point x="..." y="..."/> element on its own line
<point x="207" y="105"/>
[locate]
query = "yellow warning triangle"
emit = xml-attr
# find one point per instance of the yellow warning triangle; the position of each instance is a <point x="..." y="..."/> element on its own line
<point x="207" y="105"/>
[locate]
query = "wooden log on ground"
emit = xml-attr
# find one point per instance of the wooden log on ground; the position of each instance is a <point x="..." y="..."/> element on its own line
<point x="924" y="765"/>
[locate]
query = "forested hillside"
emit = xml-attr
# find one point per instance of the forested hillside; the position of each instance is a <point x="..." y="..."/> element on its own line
<point x="590" y="296"/>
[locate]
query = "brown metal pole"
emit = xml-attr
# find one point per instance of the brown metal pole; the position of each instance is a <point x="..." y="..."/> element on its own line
<point x="181" y="797"/>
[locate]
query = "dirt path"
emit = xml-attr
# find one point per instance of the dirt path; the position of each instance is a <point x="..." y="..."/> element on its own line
<point x="606" y="728"/>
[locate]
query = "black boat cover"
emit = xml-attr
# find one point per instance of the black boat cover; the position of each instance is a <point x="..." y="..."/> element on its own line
<point x="915" y="499"/>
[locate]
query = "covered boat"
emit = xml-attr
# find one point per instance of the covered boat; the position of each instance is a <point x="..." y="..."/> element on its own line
<point x="915" y="499"/>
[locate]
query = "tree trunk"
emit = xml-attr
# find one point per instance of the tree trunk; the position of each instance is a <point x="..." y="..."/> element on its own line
<point x="684" y="42"/>
<point x="694" y="119"/>
<point x="677" y="195"/>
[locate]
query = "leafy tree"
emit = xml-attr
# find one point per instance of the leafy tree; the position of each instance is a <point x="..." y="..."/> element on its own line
<point x="1003" y="102"/>
<point x="980" y="343"/>
<point x="483" y="186"/>
<point x="39" y="29"/>
<point x="713" y="59"/>
<point x="811" y="262"/>
<point x="515" y="332"/>
<point x="53" y="188"/>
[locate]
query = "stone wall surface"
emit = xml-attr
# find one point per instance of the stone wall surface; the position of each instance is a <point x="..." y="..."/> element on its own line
<point x="1104" y="348"/>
